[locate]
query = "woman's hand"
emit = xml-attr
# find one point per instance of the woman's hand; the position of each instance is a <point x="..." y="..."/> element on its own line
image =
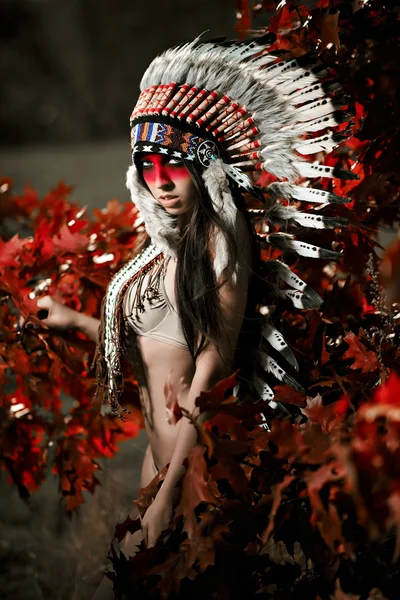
<point x="156" y="519"/>
<point x="55" y="315"/>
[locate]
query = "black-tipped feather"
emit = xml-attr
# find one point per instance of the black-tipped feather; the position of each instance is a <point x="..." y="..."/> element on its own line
<point x="286" y="243"/>
<point x="344" y="174"/>
<point x="279" y="269"/>
<point x="303" y="194"/>
<point x="280" y="215"/>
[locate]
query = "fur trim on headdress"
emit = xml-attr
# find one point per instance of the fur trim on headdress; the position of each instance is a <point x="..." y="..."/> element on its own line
<point x="216" y="183"/>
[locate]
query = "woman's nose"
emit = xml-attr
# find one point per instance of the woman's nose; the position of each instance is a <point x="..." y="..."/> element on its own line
<point x="162" y="179"/>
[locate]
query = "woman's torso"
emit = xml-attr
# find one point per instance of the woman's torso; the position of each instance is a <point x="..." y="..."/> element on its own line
<point x="161" y="361"/>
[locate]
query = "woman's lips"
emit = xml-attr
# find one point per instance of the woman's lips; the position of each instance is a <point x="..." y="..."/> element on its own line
<point x="169" y="201"/>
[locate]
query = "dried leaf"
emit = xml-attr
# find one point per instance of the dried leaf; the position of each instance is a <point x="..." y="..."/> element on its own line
<point x="363" y="359"/>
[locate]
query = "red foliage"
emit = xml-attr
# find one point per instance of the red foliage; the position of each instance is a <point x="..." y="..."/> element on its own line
<point x="309" y="507"/>
<point x="68" y="256"/>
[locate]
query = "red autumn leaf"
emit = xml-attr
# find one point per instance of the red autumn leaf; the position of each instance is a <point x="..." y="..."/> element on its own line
<point x="277" y="492"/>
<point x="385" y="402"/>
<point x="172" y="570"/>
<point x="172" y="394"/>
<point x="286" y="394"/>
<point x="115" y="215"/>
<point x="202" y="549"/>
<point x="330" y="416"/>
<point x="149" y="492"/>
<point x="228" y="467"/>
<point x="43" y="242"/>
<point x="128" y="526"/>
<point x="363" y="359"/>
<point x="65" y="241"/>
<point x="28" y="202"/>
<point x="283" y="20"/>
<point x="11" y="284"/>
<point x="215" y="397"/>
<point x="177" y="413"/>
<point x="10" y="250"/>
<point x="389" y="392"/>
<point x="394" y="505"/>
<point x="195" y="488"/>
<point x="226" y="424"/>
<point x="243" y="18"/>
<point x="390" y="269"/>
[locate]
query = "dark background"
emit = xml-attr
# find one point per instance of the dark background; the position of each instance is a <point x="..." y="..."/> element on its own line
<point x="70" y="73"/>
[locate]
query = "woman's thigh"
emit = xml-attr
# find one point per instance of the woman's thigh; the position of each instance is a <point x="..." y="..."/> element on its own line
<point x="149" y="470"/>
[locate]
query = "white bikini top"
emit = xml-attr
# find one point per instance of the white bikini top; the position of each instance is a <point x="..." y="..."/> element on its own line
<point x="156" y="318"/>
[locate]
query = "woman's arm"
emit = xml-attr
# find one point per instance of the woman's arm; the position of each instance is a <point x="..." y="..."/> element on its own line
<point x="212" y="365"/>
<point x="88" y="325"/>
<point x="62" y="317"/>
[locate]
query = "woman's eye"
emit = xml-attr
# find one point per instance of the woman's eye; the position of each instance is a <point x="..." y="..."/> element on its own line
<point x="146" y="164"/>
<point x="176" y="162"/>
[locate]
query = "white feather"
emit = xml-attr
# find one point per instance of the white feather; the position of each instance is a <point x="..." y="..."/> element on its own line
<point x="263" y="389"/>
<point x="310" y="220"/>
<point x="313" y="170"/>
<point x="271" y="366"/>
<point x="301" y="81"/>
<point x="307" y="93"/>
<point x="304" y="194"/>
<point x="313" y="110"/>
<point x="317" y="124"/>
<point x="276" y="340"/>
<point x="297" y="298"/>
<point x="310" y="250"/>
<point x="323" y="143"/>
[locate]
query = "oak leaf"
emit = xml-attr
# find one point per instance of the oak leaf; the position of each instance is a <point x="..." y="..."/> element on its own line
<point x="329" y="416"/>
<point x="363" y="359"/>
<point x="195" y="488"/>
<point x="68" y="242"/>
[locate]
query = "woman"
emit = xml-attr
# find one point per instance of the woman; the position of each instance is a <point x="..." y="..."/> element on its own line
<point x="158" y="333"/>
<point x="164" y="355"/>
<point x="183" y="309"/>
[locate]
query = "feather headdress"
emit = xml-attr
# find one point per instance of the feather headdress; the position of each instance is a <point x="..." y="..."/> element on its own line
<point x="238" y="110"/>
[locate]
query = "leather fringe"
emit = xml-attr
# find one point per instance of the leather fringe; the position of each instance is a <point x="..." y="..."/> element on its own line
<point x="106" y="394"/>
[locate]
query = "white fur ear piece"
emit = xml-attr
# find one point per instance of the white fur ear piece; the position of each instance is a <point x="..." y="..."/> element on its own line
<point x="160" y="226"/>
<point x="217" y="185"/>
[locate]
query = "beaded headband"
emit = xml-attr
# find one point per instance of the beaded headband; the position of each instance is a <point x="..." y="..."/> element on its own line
<point x="161" y="138"/>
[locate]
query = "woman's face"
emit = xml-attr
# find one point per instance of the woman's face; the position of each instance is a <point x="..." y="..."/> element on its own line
<point x="170" y="183"/>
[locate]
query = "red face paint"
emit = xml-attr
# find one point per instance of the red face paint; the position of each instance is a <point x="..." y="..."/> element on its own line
<point x="170" y="184"/>
<point x="159" y="169"/>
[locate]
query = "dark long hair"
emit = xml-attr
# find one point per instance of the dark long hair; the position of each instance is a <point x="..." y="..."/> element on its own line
<point x="196" y="287"/>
